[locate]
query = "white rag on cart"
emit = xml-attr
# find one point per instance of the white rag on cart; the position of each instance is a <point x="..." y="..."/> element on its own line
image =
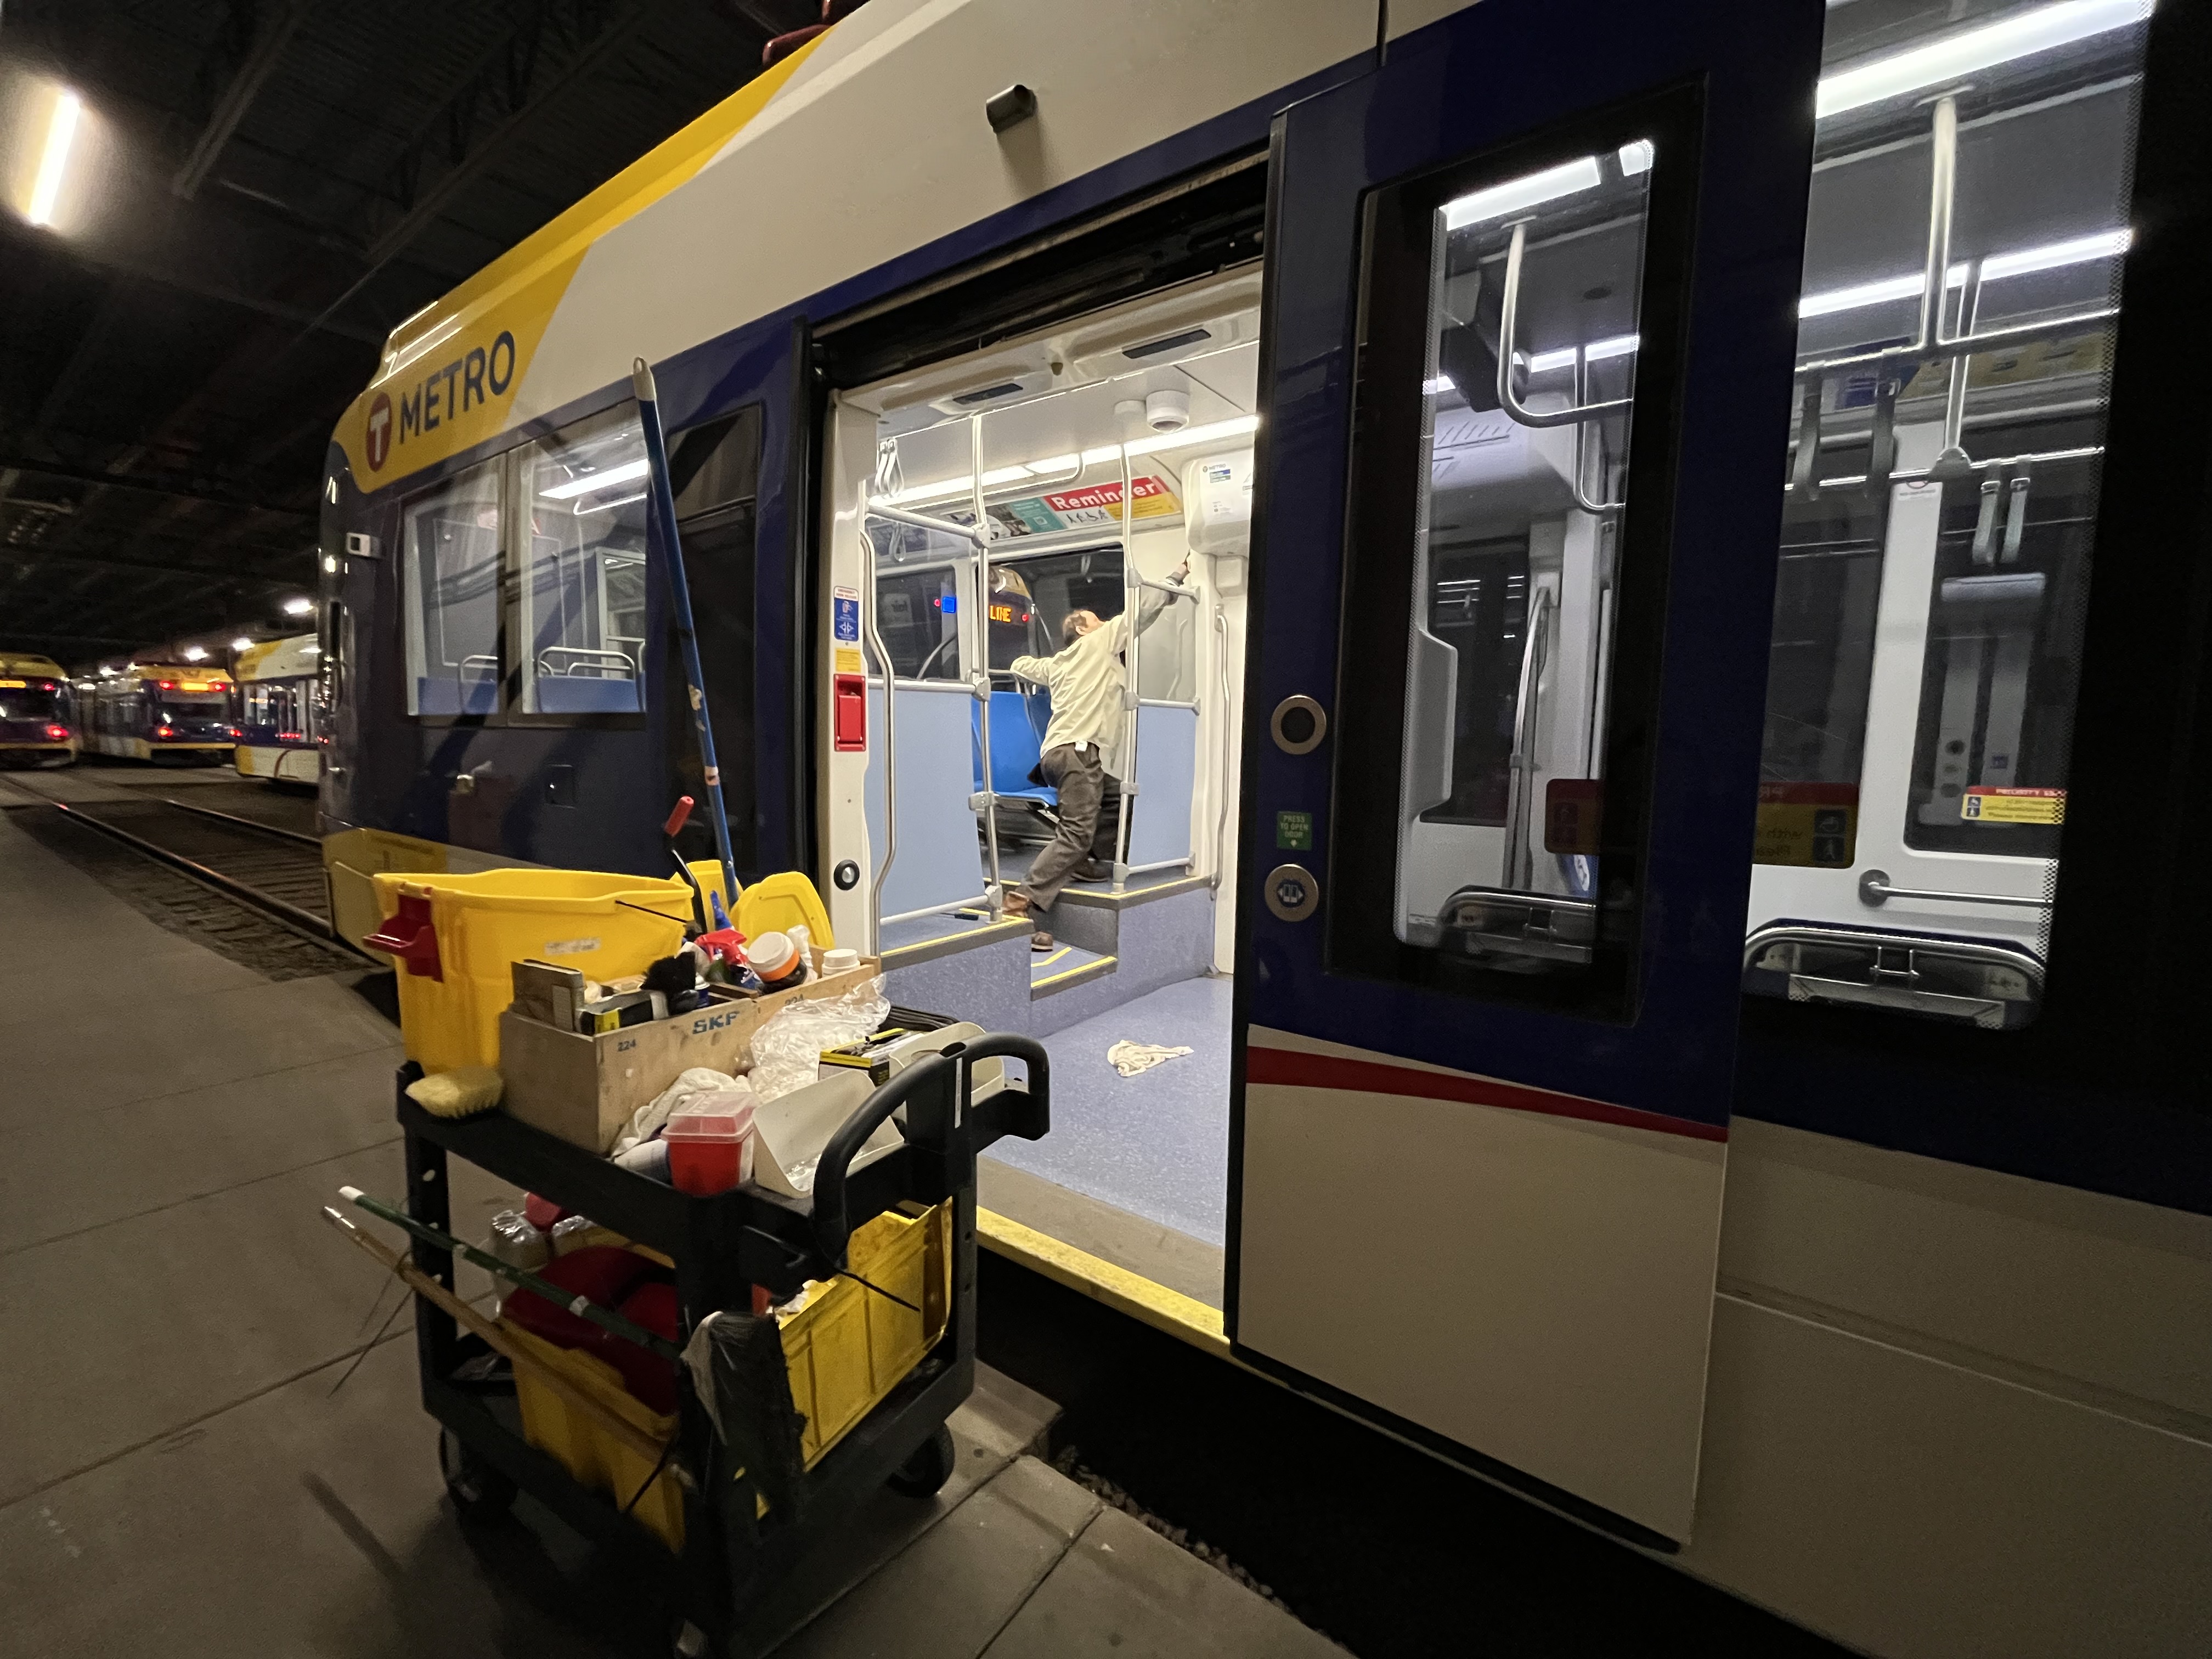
<point x="1130" y="1058"/>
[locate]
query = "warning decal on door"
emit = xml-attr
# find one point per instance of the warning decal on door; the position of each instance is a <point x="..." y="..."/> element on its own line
<point x="1980" y="805"/>
<point x="1806" y="824"/>
<point x="845" y="629"/>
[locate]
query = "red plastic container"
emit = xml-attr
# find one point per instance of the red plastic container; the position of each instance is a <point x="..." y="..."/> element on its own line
<point x="710" y="1143"/>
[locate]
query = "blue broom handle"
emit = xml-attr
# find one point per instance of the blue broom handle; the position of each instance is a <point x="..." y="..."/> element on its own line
<point x="663" y="492"/>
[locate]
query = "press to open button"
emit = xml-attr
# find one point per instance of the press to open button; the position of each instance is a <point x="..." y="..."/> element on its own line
<point x="1293" y="892"/>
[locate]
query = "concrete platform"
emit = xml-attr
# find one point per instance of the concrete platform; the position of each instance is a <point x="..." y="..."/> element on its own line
<point x="180" y="1470"/>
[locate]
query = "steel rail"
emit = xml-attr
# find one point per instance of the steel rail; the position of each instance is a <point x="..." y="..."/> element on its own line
<point x="305" y="922"/>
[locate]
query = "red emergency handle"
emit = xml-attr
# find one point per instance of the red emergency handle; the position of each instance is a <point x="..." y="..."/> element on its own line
<point x="410" y="937"/>
<point x="848" y="725"/>
<point x="676" y="819"/>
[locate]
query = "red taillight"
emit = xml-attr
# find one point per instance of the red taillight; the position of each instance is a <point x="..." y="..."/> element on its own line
<point x="57" y="733"/>
<point x="164" y="731"/>
<point x="169" y="685"/>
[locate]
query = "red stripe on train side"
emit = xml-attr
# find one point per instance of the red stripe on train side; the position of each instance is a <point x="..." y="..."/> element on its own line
<point x="1289" y="1068"/>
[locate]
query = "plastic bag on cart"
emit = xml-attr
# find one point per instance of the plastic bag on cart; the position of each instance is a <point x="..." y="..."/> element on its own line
<point x="741" y="1377"/>
<point x="788" y="1050"/>
<point x="648" y="1121"/>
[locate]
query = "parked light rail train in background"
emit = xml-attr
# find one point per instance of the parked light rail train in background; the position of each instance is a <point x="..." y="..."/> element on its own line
<point x="1682" y="733"/>
<point x="176" y="714"/>
<point x="280" y="715"/>
<point x="38" y="712"/>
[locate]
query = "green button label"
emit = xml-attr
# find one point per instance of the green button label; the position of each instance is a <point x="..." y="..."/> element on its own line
<point x="1294" y="831"/>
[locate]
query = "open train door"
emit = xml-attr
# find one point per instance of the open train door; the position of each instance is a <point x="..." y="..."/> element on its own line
<point x="1530" y="319"/>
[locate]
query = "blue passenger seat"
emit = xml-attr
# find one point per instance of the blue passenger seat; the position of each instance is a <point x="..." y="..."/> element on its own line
<point x="442" y="693"/>
<point x="1015" y="734"/>
<point x="581" y="694"/>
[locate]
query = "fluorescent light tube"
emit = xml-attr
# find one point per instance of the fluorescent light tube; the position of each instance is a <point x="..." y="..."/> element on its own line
<point x="1636" y="158"/>
<point x="628" y="472"/>
<point x="1516" y="194"/>
<point x="2052" y="256"/>
<point x="2001" y="42"/>
<point x="1052" y="464"/>
<point x="61" y="134"/>
<point x="2106" y="244"/>
<point x="1545" y="362"/>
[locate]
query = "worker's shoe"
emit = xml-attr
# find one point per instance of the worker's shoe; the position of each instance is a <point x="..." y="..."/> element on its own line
<point x="1018" y="904"/>
<point x="1092" y="870"/>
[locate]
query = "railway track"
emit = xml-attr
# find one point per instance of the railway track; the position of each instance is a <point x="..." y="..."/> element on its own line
<point x="277" y="872"/>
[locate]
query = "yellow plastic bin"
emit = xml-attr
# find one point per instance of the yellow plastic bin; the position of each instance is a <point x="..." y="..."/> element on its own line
<point x="845" y="1347"/>
<point x="455" y="938"/>
<point x="575" y="1439"/>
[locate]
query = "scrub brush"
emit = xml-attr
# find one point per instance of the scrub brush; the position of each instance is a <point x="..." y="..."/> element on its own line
<point x="462" y="1092"/>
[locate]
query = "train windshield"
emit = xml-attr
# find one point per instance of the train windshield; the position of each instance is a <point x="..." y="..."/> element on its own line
<point x="192" y="710"/>
<point x="1968" y="217"/>
<point x="29" y="700"/>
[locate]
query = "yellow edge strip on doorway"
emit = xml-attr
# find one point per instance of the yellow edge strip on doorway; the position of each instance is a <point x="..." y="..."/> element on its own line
<point x="1090" y="967"/>
<point x="1183" y="1317"/>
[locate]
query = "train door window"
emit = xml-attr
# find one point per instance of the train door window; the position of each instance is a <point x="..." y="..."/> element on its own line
<point x="451" y="578"/>
<point x="1968" y="215"/>
<point x="1508" y="330"/>
<point x="579" y="597"/>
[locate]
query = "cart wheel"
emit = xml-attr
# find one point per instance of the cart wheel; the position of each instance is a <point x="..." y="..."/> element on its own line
<point x="479" y="1492"/>
<point x="929" y="1468"/>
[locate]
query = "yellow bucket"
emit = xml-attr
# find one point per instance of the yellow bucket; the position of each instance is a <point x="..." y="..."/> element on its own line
<point x="454" y="940"/>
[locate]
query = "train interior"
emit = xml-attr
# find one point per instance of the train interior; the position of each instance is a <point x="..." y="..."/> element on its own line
<point x="1110" y="464"/>
<point x="1961" y="283"/>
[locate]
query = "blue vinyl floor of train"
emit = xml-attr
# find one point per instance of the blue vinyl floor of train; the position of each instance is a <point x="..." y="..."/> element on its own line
<point x="1156" y="1144"/>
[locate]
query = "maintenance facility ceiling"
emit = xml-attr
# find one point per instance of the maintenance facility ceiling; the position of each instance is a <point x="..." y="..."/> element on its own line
<point x="254" y="193"/>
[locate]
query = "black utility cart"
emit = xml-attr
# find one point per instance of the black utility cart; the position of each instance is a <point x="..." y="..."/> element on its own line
<point x="723" y="1246"/>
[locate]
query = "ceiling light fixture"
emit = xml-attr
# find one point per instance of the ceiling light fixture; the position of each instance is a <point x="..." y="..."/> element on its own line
<point x="241" y="644"/>
<point x="195" y="653"/>
<point x="1190" y="436"/>
<point x="1529" y="191"/>
<point x="2052" y="256"/>
<point x="61" y="134"/>
<point x="628" y="472"/>
<point x="1952" y="55"/>
<point x="298" y="607"/>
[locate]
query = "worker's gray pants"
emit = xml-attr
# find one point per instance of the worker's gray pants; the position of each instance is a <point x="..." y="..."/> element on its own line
<point x="1090" y="819"/>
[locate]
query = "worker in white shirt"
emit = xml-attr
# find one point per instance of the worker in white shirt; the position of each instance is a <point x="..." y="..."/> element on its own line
<point x="1086" y="677"/>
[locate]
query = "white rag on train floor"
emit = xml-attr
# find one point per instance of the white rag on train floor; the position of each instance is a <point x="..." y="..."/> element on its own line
<point x="1130" y="1058"/>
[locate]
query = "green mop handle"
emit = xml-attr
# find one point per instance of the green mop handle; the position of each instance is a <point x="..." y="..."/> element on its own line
<point x="582" y="1307"/>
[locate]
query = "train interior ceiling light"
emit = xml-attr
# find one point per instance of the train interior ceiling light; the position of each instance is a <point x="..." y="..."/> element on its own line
<point x="1053" y="466"/>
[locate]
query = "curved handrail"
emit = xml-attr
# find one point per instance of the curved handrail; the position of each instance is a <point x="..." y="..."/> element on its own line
<point x="1508" y="316"/>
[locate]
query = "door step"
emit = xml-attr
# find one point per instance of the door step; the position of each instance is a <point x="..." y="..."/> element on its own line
<point x="1065" y="966"/>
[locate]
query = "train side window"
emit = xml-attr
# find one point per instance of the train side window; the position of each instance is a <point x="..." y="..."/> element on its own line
<point x="1508" y="330"/>
<point x="451" y="579"/>
<point x="715" y="469"/>
<point x="1961" y="283"/>
<point x="580" y="598"/>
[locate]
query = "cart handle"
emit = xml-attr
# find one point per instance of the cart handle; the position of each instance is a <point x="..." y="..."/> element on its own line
<point x="831" y="1231"/>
